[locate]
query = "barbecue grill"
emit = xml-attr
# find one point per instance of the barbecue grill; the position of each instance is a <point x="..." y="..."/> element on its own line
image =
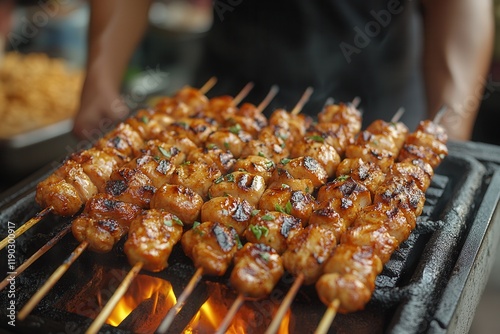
<point x="431" y="284"/>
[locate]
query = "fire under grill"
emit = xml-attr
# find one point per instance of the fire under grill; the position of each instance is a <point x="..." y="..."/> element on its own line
<point x="431" y="284"/>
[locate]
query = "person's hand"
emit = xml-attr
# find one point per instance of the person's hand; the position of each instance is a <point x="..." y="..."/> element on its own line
<point x="100" y="108"/>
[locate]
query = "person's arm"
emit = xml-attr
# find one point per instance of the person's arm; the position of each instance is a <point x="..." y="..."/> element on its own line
<point x="457" y="53"/>
<point x="116" y="27"/>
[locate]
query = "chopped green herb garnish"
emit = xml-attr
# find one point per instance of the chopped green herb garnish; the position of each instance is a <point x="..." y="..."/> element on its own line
<point x="164" y="152"/>
<point x="261" y="154"/>
<point x="267" y="217"/>
<point x="285" y="186"/>
<point x="238" y="241"/>
<point x="265" y="256"/>
<point x="196" y="224"/>
<point x="235" y="129"/>
<point x="269" y="164"/>
<point x="144" y="119"/>
<point x="342" y="177"/>
<point x="317" y="138"/>
<point x="287" y="209"/>
<point x="259" y="231"/>
<point x="230" y="178"/>
<point x="186" y="163"/>
<point x="284" y="161"/>
<point x="211" y="146"/>
<point x="219" y="179"/>
<point x="168" y="222"/>
<point x="178" y="221"/>
<point x="255" y="211"/>
<point x="226" y="145"/>
<point x="308" y="190"/>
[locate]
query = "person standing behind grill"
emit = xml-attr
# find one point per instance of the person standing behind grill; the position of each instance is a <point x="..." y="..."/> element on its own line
<point x="418" y="55"/>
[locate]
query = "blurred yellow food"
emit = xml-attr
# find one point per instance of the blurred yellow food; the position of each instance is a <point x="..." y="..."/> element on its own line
<point x="36" y="91"/>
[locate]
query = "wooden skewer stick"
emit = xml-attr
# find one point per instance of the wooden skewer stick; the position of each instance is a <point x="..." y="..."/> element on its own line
<point x="35" y="299"/>
<point x="208" y="85"/>
<point x="230" y="314"/>
<point x="328" y="317"/>
<point x="44" y="249"/>
<point x="303" y="100"/>
<point x="285" y="305"/>
<point x="397" y="115"/>
<point x="356" y="101"/>
<point x="26" y="226"/>
<point x="440" y="114"/>
<point x="269" y="97"/>
<point x="243" y="93"/>
<point x="115" y="298"/>
<point x="169" y="319"/>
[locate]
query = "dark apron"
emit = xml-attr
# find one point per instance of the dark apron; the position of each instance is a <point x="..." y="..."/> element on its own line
<point x="343" y="49"/>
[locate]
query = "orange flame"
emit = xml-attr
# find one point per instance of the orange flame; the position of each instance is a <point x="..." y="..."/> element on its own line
<point x="143" y="288"/>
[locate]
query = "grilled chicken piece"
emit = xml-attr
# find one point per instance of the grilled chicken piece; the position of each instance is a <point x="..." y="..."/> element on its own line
<point x="178" y="200"/>
<point x="380" y="142"/>
<point x="165" y="151"/>
<point x="58" y="194"/>
<point x="305" y="168"/>
<point x="232" y="139"/>
<point x="366" y="173"/>
<point x="192" y="98"/>
<point x="123" y="139"/>
<point x="349" y="276"/>
<point x="307" y="252"/>
<point x="73" y="173"/>
<point x="431" y="128"/>
<point x="98" y="165"/>
<point x="197" y="176"/>
<point x="384" y="159"/>
<point x="257" y="270"/>
<point x="105" y="206"/>
<point x="267" y="145"/>
<point x="220" y="108"/>
<point x="326" y="215"/>
<point x="196" y="129"/>
<point x="344" y="114"/>
<point x="252" y="126"/>
<point x="284" y="199"/>
<point x="173" y="108"/>
<point x="151" y="237"/>
<point x="315" y="147"/>
<point x="244" y="185"/>
<point x="380" y="227"/>
<point x="428" y="141"/>
<point x="230" y="211"/>
<point x="426" y="154"/>
<point x="399" y="192"/>
<point x="216" y="157"/>
<point x="397" y="131"/>
<point x="256" y="165"/>
<point x="333" y="134"/>
<point x="211" y="246"/>
<point x="184" y="144"/>
<point x="346" y="196"/>
<point x="104" y="222"/>
<point x="416" y="170"/>
<point x="295" y="124"/>
<point x="148" y="123"/>
<point x="282" y="178"/>
<point x="272" y="228"/>
<point x="159" y="171"/>
<point x="131" y="186"/>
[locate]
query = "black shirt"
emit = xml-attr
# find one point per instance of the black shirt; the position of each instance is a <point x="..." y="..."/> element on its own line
<point x="371" y="49"/>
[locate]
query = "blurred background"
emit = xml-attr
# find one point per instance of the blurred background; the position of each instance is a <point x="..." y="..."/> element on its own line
<point x="42" y="59"/>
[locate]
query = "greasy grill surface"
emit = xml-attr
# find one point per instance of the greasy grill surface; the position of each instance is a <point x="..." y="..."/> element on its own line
<point x="418" y="291"/>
